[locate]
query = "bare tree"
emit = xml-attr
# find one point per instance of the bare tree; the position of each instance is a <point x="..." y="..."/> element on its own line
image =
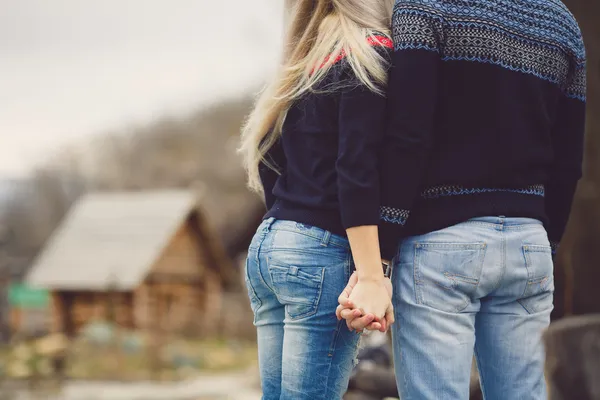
<point x="197" y="152"/>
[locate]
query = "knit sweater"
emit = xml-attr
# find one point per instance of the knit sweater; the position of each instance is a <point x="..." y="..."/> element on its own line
<point x="486" y="109"/>
<point x="326" y="161"/>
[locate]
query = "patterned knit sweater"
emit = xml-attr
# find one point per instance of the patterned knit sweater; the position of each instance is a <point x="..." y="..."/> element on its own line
<point x="486" y="109"/>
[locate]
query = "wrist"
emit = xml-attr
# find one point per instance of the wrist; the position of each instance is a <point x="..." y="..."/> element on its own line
<point x="371" y="275"/>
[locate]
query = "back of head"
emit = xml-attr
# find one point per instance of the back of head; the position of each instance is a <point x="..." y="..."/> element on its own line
<point x="320" y="30"/>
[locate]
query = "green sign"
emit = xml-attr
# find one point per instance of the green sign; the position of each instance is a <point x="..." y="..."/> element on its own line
<point x="23" y="296"/>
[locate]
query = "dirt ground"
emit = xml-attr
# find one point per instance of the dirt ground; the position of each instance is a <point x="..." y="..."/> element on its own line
<point x="226" y="386"/>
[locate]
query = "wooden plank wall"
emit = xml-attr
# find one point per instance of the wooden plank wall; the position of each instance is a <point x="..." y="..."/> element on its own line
<point x="179" y="292"/>
<point x="73" y="310"/>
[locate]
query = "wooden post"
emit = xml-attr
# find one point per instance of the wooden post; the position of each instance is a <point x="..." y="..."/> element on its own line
<point x="573" y="358"/>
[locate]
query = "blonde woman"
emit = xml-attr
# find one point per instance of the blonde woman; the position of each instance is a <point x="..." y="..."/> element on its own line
<point x="310" y="146"/>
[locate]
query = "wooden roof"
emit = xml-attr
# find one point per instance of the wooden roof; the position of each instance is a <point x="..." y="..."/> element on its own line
<point x="113" y="239"/>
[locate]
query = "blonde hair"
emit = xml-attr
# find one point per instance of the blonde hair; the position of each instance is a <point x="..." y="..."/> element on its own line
<point x="320" y="31"/>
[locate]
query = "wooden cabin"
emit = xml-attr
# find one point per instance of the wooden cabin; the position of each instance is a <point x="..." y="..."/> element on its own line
<point x="144" y="260"/>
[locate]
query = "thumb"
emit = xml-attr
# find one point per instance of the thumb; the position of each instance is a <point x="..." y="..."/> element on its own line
<point x="343" y="298"/>
<point x="389" y="315"/>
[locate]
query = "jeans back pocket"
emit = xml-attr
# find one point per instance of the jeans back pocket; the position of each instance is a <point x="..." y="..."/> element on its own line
<point x="539" y="291"/>
<point x="447" y="274"/>
<point x="298" y="288"/>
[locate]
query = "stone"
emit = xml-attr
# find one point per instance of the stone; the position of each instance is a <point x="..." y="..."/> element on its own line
<point x="573" y="358"/>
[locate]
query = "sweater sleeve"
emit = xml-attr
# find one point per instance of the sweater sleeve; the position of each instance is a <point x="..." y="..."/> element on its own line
<point x="417" y="27"/>
<point x="361" y="130"/>
<point x="275" y="158"/>
<point x="567" y="142"/>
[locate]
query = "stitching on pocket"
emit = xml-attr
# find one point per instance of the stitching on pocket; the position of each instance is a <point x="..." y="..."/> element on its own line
<point x="543" y="281"/>
<point x="531" y="278"/>
<point x="453" y="279"/>
<point x="462" y="278"/>
<point x="289" y="300"/>
<point x="533" y="248"/>
<point x="448" y="245"/>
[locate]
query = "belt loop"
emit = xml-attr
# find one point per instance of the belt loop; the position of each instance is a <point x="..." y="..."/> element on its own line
<point x="268" y="223"/>
<point x="501" y="221"/>
<point x="325" y="239"/>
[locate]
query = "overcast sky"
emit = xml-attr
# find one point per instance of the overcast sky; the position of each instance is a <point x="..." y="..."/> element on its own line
<point x="70" y="68"/>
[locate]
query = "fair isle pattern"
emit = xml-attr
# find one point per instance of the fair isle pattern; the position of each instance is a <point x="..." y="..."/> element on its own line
<point x="537" y="37"/>
<point x="417" y="25"/>
<point x="393" y="215"/>
<point x="436" y="192"/>
<point x="399" y="216"/>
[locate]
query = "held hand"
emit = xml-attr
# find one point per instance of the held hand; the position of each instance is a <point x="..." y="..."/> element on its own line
<point x="366" y="304"/>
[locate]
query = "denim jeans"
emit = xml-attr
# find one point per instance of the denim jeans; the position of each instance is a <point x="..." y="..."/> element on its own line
<point x="485" y="285"/>
<point x="294" y="275"/>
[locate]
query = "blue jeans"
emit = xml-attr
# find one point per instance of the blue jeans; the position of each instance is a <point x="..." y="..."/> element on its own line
<point x="294" y="275"/>
<point x="485" y="285"/>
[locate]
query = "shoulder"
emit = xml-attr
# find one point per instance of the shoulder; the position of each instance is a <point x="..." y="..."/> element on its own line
<point x="419" y="24"/>
<point x="430" y="7"/>
<point x="561" y="20"/>
<point x="382" y="44"/>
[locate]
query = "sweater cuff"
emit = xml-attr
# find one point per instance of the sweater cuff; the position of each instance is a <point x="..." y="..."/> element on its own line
<point x="360" y="214"/>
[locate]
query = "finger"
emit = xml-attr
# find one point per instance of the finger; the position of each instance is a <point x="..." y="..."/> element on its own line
<point x="384" y="325"/>
<point x="338" y="312"/>
<point x="389" y="315"/>
<point x="374" y="326"/>
<point x="345" y="302"/>
<point x="362" y="322"/>
<point x="349" y="314"/>
<point x="343" y="298"/>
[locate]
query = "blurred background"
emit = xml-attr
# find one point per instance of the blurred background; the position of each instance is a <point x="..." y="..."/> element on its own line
<point x="124" y="217"/>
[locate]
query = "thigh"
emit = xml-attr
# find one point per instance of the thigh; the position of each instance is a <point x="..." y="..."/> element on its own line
<point x="434" y="278"/>
<point x="510" y="352"/>
<point x="318" y="350"/>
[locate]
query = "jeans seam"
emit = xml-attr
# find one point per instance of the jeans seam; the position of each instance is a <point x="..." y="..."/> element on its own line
<point x="416" y="277"/>
<point x="331" y="242"/>
<point x="260" y="275"/>
<point x="505" y="227"/>
<point x="333" y="343"/>
<point x="253" y="295"/>
<point x="502" y="263"/>
<point x="527" y="262"/>
<point x="304" y="251"/>
<point x="257" y="259"/>
<point x="404" y="377"/>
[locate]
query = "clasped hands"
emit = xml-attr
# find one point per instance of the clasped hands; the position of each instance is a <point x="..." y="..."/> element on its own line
<point x="366" y="304"/>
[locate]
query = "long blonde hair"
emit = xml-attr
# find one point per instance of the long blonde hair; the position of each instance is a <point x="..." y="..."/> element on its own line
<point x="320" y="31"/>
